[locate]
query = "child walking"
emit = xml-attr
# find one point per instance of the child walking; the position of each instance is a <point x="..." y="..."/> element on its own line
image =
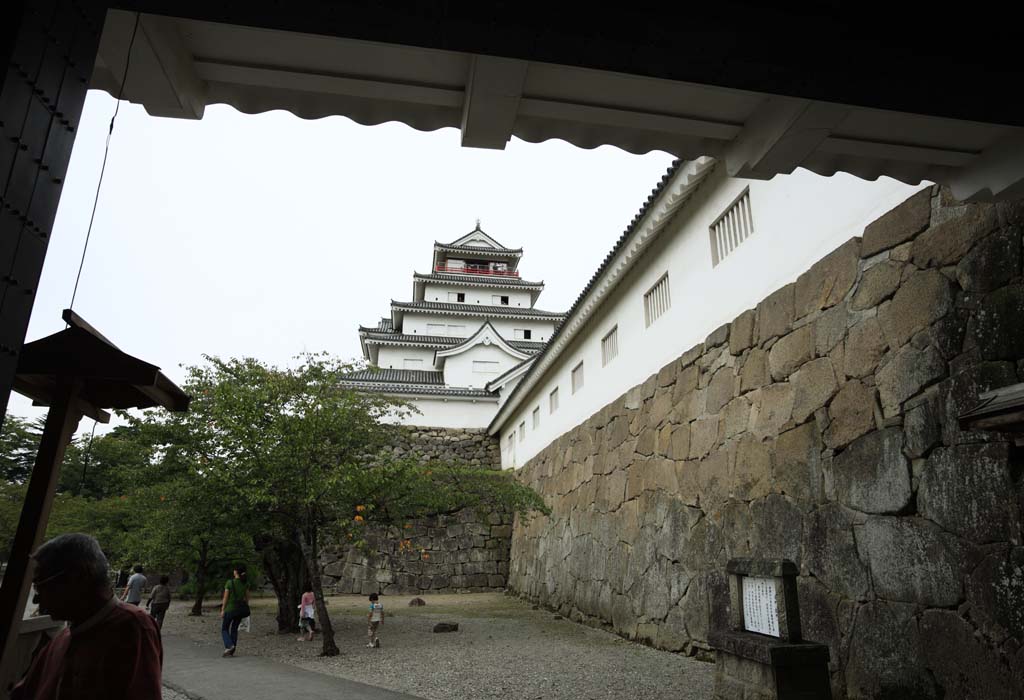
<point x="374" y="619"/>
<point x="306" y="614"/>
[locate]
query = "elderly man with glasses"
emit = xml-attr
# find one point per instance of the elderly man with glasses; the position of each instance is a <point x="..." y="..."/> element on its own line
<point x="109" y="650"/>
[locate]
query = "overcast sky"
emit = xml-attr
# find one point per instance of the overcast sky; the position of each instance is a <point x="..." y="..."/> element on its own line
<point x="268" y="235"/>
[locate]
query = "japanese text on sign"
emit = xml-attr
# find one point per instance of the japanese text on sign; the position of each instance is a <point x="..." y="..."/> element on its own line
<point x="760" y="610"/>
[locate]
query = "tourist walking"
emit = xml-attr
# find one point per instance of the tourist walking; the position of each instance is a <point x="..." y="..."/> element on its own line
<point x="307" y="608"/>
<point x="133" y="590"/>
<point x="234" y="606"/>
<point x="374" y="619"/>
<point x="159" y="601"/>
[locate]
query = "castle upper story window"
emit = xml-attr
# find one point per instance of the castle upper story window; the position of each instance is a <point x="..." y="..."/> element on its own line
<point x="499" y="300"/>
<point x="458" y="297"/>
<point x="553" y="400"/>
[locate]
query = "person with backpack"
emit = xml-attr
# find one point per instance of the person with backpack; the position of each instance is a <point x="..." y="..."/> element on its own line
<point x="234" y="607"/>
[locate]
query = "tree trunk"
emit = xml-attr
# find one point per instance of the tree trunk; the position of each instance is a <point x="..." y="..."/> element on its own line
<point x="284" y="566"/>
<point x="201" y="567"/>
<point x="312" y="559"/>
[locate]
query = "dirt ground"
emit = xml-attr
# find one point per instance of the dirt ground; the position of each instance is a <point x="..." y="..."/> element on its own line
<point x="503" y="649"/>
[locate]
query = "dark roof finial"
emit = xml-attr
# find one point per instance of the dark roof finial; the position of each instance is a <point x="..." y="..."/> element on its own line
<point x="478" y="225"/>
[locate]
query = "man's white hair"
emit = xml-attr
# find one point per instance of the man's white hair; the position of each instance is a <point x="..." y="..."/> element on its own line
<point x="74" y="551"/>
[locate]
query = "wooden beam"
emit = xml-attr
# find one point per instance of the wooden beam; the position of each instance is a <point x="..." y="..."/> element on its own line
<point x="61" y="422"/>
<point x="493" y="90"/>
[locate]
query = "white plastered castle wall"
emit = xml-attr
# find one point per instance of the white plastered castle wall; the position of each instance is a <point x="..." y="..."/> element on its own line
<point x="797" y="220"/>
<point x="466" y="369"/>
<point x="395" y="356"/>
<point x="454" y="412"/>
<point x="483" y="296"/>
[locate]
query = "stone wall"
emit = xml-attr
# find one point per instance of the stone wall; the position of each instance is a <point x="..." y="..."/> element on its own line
<point x="446" y="554"/>
<point x="820" y="427"/>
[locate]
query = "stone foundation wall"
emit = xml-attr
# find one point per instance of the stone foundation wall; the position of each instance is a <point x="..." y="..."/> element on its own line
<point x="821" y="427"/>
<point x="447" y="554"/>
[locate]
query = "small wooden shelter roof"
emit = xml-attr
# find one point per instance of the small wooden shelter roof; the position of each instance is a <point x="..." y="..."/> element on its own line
<point x="110" y="377"/>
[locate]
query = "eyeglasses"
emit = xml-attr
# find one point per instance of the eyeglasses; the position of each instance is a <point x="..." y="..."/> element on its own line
<point x="48" y="579"/>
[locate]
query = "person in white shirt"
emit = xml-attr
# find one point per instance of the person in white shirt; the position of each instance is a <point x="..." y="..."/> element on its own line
<point x="374" y="619"/>
<point x="133" y="591"/>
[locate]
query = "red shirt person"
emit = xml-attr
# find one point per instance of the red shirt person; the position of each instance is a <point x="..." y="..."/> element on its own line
<point x="109" y="650"/>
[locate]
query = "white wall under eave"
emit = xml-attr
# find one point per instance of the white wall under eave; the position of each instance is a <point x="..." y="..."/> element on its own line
<point x="482" y="296"/>
<point x="459" y="369"/>
<point x="455" y="412"/>
<point x="798" y="219"/>
<point x="393" y="357"/>
<point x="421" y="324"/>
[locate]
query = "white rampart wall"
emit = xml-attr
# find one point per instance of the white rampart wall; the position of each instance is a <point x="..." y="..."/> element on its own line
<point x="797" y="220"/>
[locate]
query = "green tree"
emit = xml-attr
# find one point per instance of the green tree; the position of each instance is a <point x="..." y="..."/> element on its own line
<point x="19" y="442"/>
<point x="294" y="446"/>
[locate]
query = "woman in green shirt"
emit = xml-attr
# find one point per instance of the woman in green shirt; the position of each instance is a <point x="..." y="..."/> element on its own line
<point x="234" y="607"/>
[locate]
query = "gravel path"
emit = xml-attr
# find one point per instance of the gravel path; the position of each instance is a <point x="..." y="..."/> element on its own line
<point x="503" y="649"/>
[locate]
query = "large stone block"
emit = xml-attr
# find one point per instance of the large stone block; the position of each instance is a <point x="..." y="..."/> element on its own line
<point x="679" y="446"/>
<point x="967" y="489"/>
<point x="741" y="332"/>
<point x="851" y="414"/>
<point x="791" y="351"/>
<point x="960" y="393"/>
<point x="995" y="591"/>
<point x="703" y="436"/>
<point x="865" y="346"/>
<point x="830" y="329"/>
<point x="813" y="385"/>
<point x="909" y="371"/>
<point x="721" y="390"/>
<point x="885" y="655"/>
<point x="872" y="475"/>
<point x="797" y="470"/>
<point x="963" y="664"/>
<point x="992" y="263"/>
<point x="775" y="314"/>
<point x="922" y="299"/>
<point x="830" y="551"/>
<point x="921" y="428"/>
<point x="911" y="560"/>
<point x="754" y="373"/>
<point x="771" y="409"/>
<point x="828" y="280"/>
<point x="877" y="284"/>
<point x="898" y="225"/>
<point x="719" y="336"/>
<point x="752" y="471"/>
<point x="661" y="406"/>
<point x="998" y="327"/>
<point x="948" y="242"/>
<point x="735" y="418"/>
<point x="777" y="528"/>
<point x="819" y="618"/>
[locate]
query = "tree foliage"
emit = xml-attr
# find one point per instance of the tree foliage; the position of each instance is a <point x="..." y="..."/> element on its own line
<point x="268" y="460"/>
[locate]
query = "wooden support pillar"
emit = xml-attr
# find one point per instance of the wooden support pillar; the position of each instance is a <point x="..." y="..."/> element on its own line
<point x="61" y="422"/>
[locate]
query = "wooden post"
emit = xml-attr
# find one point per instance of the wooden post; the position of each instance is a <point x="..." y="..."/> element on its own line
<point x="61" y="422"/>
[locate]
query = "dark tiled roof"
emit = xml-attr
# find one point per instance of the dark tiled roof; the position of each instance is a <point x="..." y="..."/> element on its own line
<point x="665" y="179"/>
<point x="386" y="324"/>
<point x="477" y="249"/>
<point x="483" y="280"/>
<point x="403" y="376"/>
<point x="477" y="309"/>
<point x="444" y="340"/>
<point x="419" y="389"/>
